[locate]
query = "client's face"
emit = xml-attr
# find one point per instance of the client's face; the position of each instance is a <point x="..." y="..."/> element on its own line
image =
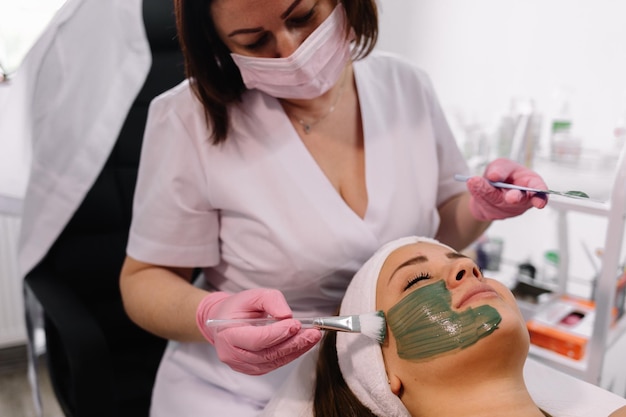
<point x="438" y="304"/>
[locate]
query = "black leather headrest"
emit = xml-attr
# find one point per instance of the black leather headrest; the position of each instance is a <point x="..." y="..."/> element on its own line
<point x="160" y="23"/>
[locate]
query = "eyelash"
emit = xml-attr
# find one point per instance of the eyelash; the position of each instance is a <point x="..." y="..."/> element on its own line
<point x="420" y="277"/>
<point x="301" y="20"/>
<point x="257" y="44"/>
<point x="294" y="21"/>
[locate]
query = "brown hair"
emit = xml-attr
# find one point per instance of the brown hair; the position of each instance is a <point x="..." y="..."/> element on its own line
<point x="214" y="77"/>
<point x="333" y="397"/>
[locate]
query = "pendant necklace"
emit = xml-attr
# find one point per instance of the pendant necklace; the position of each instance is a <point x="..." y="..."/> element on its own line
<point x="307" y="126"/>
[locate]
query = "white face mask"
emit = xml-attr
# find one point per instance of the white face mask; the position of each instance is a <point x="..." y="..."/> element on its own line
<point x="310" y="71"/>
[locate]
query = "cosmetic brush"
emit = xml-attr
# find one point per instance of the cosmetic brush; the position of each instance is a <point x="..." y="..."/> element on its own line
<point x="372" y="325"/>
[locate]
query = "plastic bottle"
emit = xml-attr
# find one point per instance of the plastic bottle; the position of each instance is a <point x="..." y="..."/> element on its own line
<point x="550" y="268"/>
<point x="561" y="127"/>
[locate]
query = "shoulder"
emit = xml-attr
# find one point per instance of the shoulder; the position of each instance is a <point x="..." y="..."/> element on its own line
<point x="395" y="79"/>
<point x="391" y="65"/>
<point x="179" y="97"/>
<point x="180" y="109"/>
<point x="177" y="115"/>
<point x="180" y="102"/>
<point x="394" y="75"/>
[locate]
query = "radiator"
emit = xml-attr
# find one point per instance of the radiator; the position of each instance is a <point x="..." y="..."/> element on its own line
<point x="12" y="328"/>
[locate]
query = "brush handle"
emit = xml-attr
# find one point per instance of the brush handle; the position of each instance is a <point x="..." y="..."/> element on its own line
<point x="338" y="323"/>
<point x="500" y="184"/>
<point x="307" y="323"/>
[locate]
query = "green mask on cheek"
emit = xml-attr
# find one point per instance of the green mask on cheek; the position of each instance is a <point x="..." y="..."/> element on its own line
<point x="425" y="325"/>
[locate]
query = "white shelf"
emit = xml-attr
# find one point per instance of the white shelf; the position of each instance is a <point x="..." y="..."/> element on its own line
<point x="593" y="207"/>
<point x="603" y="335"/>
<point x="579" y="368"/>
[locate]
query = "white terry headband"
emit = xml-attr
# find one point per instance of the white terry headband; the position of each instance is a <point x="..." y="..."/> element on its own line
<point x="360" y="358"/>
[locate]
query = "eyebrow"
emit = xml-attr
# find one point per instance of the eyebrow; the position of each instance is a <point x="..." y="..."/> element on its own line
<point x="247" y="30"/>
<point x="413" y="261"/>
<point x="260" y="28"/>
<point x="455" y="255"/>
<point x="290" y="9"/>
<point x="420" y="259"/>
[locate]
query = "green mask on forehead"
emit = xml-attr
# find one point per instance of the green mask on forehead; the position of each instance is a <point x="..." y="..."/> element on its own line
<point x="425" y="325"/>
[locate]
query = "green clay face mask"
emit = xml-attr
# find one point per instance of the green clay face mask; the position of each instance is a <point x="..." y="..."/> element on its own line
<point x="425" y="325"/>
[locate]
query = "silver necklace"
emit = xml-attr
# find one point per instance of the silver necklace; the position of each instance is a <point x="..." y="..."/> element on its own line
<point x="307" y="126"/>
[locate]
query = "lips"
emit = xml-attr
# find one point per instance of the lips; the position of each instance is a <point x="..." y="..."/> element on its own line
<point x="477" y="292"/>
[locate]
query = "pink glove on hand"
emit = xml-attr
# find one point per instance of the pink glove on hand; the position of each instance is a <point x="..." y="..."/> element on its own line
<point x="254" y="350"/>
<point x="491" y="203"/>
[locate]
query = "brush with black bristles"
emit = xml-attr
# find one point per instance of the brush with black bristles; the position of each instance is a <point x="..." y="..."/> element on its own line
<point x="372" y="325"/>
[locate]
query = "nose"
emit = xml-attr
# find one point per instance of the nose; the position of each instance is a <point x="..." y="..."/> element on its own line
<point x="462" y="270"/>
<point x="286" y="43"/>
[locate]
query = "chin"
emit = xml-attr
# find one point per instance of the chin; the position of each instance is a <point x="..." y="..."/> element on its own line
<point x="509" y="342"/>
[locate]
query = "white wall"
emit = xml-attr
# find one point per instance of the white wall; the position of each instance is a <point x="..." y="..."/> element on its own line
<point x="21" y="22"/>
<point x="481" y="53"/>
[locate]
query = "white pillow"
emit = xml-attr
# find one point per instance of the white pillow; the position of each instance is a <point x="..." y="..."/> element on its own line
<point x="563" y="395"/>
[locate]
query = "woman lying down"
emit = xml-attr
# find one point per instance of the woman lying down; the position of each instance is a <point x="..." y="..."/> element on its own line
<point x="456" y="344"/>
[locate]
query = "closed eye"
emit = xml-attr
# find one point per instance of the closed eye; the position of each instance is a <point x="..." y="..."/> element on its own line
<point x="302" y="20"/>
<point x="258" y="43"/>
<point x="420" y="277"/>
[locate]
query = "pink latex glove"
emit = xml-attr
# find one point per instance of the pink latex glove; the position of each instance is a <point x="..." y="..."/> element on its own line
<point x="491" y="203"/>
<point x="254" y="350"/>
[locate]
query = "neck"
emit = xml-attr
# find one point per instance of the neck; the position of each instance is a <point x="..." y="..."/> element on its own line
<point x="314" y="110"/>
<point x="506" y="397"/>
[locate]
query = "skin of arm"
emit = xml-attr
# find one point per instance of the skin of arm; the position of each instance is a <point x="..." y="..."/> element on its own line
<point x="161" y="299"/>
<point x="458" y="228"/>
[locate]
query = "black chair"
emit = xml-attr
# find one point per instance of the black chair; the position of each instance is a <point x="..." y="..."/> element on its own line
<point x="101" y="363"/>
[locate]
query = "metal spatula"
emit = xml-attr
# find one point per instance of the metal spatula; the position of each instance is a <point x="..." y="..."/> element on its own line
<point x="572" y="194"/>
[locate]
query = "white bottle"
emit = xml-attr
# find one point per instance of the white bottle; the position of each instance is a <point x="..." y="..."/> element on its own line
<point x="565" y="147"/>
<point x="560" y="129"/>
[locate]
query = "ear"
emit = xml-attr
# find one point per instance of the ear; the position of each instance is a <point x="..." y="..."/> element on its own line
<point x="395" y="384"/>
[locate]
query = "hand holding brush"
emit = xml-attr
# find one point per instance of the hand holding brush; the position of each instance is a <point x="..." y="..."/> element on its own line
<point x="254" y="350"/>
<point x="371" y="325"/>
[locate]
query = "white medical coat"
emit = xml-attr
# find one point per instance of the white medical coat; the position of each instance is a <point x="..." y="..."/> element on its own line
<point x="65" y="108"/>
<point x="257" y="211"/>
